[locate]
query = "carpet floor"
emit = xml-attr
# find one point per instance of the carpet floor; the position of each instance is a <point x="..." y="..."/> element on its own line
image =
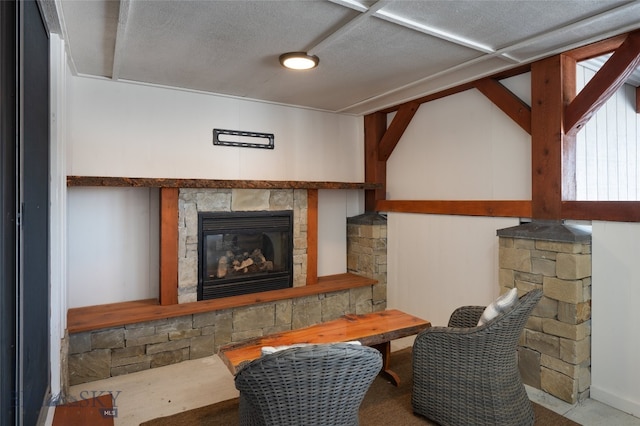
<point x="384" y="404"/>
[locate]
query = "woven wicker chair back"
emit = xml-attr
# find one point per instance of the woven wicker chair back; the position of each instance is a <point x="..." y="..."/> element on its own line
<point x="466" y="374"/>
<point x="310" y="385"/>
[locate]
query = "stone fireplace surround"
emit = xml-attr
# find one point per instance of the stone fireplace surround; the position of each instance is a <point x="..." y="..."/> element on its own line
<point x="196" y="200"/>
<point x="96" y="352"/>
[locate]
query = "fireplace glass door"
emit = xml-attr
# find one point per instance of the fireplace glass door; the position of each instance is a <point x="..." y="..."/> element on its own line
<point x="244" y="252"/>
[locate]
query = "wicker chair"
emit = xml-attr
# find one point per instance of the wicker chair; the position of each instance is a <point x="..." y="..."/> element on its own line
<point x="310" y="385"/>
<point x="466" y="374"/>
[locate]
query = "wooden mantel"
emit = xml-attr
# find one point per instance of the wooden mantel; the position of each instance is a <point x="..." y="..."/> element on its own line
<point x="169" y="193"/>
<point x="142" y="182"/>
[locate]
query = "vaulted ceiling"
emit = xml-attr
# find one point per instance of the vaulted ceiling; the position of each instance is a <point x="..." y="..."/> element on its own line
<point x="373" y="54"/>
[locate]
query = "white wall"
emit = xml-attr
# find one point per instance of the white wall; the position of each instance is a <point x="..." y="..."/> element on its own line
<point x="458" y="148"/>
<point x="461" y="147"/>
<point x="608" y="148"/>
<point x="121" y="129"/>
<point x="334" y="207"/>
<point x="439" y="263"/>
<point x="615" y="341"/>
<point x="58" y="228"/>
<point x="128" y="130"/>
<point x="113" y="245"/>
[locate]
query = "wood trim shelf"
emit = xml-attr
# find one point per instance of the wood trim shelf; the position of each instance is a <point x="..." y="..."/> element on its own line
<point x="210" y="183"/>
<point x="117" y="314"/>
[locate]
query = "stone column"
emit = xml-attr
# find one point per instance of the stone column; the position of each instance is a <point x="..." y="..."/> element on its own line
<point x="367" y="253"/>
<point x="554" y="353"/>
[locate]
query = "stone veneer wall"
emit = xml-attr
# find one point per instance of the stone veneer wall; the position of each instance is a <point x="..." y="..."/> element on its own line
<point x="193" y="201"/>
<point x="554" y="352"/>
<point x="367" y="253"/>
<point x="99" y="354"/>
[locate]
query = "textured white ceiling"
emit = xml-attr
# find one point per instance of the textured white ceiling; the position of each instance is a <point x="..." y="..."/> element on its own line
<point x="372" y="54"/>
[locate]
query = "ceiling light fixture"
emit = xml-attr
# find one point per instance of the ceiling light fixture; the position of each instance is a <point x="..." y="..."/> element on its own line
<point x="299" y="61"/>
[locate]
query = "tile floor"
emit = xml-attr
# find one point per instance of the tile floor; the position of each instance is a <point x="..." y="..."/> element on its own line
<point x="167" y="390"/>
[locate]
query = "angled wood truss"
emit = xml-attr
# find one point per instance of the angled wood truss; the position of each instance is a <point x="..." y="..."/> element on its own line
<point x="556" y="115"/>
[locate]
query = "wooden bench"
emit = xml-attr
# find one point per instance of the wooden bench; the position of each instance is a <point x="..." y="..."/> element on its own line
<point x="375" y="329"/>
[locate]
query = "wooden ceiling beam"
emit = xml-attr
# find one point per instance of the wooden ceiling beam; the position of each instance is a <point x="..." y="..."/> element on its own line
<point x="603" y="85"/>
<point x="507" y="101"/>
<point x="596" y="49"/>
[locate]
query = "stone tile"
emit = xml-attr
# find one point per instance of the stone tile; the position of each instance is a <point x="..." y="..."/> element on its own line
<point x="543" y="266"/>
<point x="523" y="243"/>
<point x="575" y="352"/>
<point x="133" y="333"/>
<point x="131" y="368"/>
<point x="202" y="346"/>
<point x="573" y="266"/>
<point x="281" y="199"/>
<point x="138" y="359"/>
<point x="165" y="358"/>
<point x="184" y="334"/>
<point x="210" y="200"/>
<point x="572" y="313"/>
<point x="569" y="331"/>
<point x="128" y="352"/>
<point x="533" y="278"/>
<point x="335" y="305"/>
<point x="249" y="199"/>
<point x="113" y="338"/>
<point x="306" y="314"/>
<point x="543" y="343"/>
<point x="283" y="313"/>
<point x="89" y="366"/>
<point x="79" y="342"/>
<point x="204" y="319"/>
<point x="516" y="259"/>
<point x="559" y="385"/>
<point x="146" y="340"/>
<point x="254" y="317"/>
<point x="557" y="246"/>
<point x="175" y="324"/>
<point x="566" y="368"/>
<point x="546" y="308"/>
<point x="570" y="291"/>
<point x="167" y="346"/>
<point x="529" y="366"/>
<point x="505" y="242"/>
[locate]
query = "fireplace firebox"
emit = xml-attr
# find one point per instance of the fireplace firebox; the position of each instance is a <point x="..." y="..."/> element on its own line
<point x="244" y="252"/>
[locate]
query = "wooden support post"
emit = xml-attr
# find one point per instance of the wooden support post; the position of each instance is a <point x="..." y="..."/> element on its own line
<point x="312" y="236"/>
<point x="375" y="171"/>
<point x="552" y="87"/>
<point x="168" y="293"/>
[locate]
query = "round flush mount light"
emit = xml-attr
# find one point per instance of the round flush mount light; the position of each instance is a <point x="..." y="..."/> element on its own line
<point x="299" y="61"/>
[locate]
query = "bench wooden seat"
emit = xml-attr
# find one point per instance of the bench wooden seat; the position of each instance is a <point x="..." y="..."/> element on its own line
<point x="376" y="329"/>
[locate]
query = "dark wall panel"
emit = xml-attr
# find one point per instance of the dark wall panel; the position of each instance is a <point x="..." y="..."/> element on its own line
<point x="34" y="264"/>
<point x="8" y="209"/>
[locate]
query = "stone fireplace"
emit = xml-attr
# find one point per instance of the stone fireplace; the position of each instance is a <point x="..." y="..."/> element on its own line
<point x="244" y="252"/>
<point x="194" y="203"/>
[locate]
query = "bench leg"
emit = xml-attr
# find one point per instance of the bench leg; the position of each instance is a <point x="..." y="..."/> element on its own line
<point x="385" y="350"/>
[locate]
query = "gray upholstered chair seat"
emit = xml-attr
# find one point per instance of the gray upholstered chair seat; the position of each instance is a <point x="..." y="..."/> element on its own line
<point x="466" y="374"/>
<point x="311" y="385"/>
